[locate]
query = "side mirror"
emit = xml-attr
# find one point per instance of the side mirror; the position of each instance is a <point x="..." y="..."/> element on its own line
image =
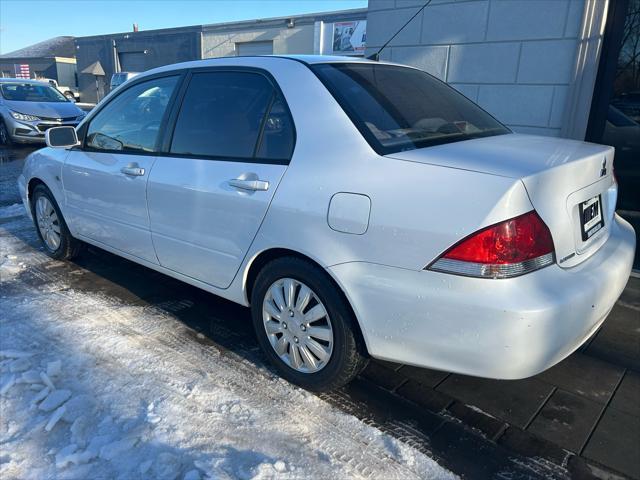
<point x="61" y="137"/>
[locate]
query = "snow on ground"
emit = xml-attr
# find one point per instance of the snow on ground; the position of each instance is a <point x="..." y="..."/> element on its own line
<point x="91" y="387"/>
<point x="14" y="210"/>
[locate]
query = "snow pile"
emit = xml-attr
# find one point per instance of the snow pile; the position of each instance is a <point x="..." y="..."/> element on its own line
<point x="91" y="387"/>
<point x="14" y="210"/>
<point x="14" y="256"/>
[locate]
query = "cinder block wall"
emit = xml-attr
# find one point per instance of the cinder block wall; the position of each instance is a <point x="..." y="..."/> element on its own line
<point x="513" y="57"/>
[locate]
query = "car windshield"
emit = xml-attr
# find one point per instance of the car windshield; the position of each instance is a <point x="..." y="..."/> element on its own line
<point x="30" y="92"/>
<point x="399" y="108"/>
<point x="117" y="79"/>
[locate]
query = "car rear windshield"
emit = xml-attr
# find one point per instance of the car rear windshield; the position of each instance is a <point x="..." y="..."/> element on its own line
<point x="29" y="92"/>
<point x="399" y="108"/>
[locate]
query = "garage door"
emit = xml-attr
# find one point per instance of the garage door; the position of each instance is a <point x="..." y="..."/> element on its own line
<point x="132" y="61"/>
<point x="254" y="48"/>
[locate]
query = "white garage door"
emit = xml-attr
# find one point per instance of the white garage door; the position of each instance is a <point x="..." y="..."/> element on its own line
<point x="132" y="61"/>
<point x="254" y="48"/>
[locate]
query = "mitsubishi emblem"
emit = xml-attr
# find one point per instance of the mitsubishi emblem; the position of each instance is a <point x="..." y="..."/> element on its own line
<point x="603" y="170"/>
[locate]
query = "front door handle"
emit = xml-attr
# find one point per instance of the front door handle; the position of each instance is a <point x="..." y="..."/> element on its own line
<point x="250" y="184"/>
<point x="133" y="169"/>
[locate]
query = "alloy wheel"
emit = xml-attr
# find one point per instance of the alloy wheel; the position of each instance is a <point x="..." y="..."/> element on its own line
<point x="297" y="325"/>
<point x="48" y="223"/>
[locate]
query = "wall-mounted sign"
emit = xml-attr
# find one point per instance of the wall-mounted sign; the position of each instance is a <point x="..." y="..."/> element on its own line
<point x="349" y="38"/>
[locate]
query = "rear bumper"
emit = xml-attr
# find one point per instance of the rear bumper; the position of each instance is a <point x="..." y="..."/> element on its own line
<point x="506" y="329"/>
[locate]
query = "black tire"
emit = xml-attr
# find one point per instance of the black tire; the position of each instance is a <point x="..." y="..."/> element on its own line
<point x="69" y="247"/>
<point x="5" y="139"/>
<point x="348" y="357"/>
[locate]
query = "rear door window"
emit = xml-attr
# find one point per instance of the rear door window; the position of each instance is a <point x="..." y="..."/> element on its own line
<point x="277" y="138"/>
<point x="233" y="115"/>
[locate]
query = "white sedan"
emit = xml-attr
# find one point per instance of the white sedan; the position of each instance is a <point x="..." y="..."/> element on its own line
<point x="361" y="209"/>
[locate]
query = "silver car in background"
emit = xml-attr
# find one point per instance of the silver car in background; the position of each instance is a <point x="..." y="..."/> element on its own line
<point x="28" y="108"/>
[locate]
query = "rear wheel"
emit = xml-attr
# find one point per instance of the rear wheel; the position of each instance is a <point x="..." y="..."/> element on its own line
<point x="305" y="326"/>
<point x="51" y="227"/>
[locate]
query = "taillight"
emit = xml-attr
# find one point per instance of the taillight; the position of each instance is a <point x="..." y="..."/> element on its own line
<point x="507" y="249"/>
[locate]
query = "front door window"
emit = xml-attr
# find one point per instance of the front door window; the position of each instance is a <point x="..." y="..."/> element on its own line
<point x="131" y="121"/>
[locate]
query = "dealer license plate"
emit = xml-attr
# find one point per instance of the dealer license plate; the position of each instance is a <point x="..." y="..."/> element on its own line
<point x="591" y="218"/>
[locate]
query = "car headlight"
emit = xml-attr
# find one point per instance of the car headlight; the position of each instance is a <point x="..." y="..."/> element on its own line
<point x="25" y="118"/>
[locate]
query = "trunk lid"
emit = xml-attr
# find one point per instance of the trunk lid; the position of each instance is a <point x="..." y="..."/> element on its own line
<point x="559" y="175"/>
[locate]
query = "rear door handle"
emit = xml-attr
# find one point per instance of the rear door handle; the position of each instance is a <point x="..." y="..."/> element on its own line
<point x="250" y="184"/>
<point x="133" y="170"/>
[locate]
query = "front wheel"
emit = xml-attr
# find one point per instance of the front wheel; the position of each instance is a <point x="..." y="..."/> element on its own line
<point x="305" y="326"/>
<point x="5" y="138"/>
<point x="51" y="227"/>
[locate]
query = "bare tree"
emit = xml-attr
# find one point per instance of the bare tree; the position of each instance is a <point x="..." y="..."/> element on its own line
<point x="628" y="70"/>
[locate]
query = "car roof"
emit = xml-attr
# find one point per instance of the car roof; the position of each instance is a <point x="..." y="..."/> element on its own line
<point x="23" y="80"/>
<point x="314" y="59"/>
<point x="259" y="61"/>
